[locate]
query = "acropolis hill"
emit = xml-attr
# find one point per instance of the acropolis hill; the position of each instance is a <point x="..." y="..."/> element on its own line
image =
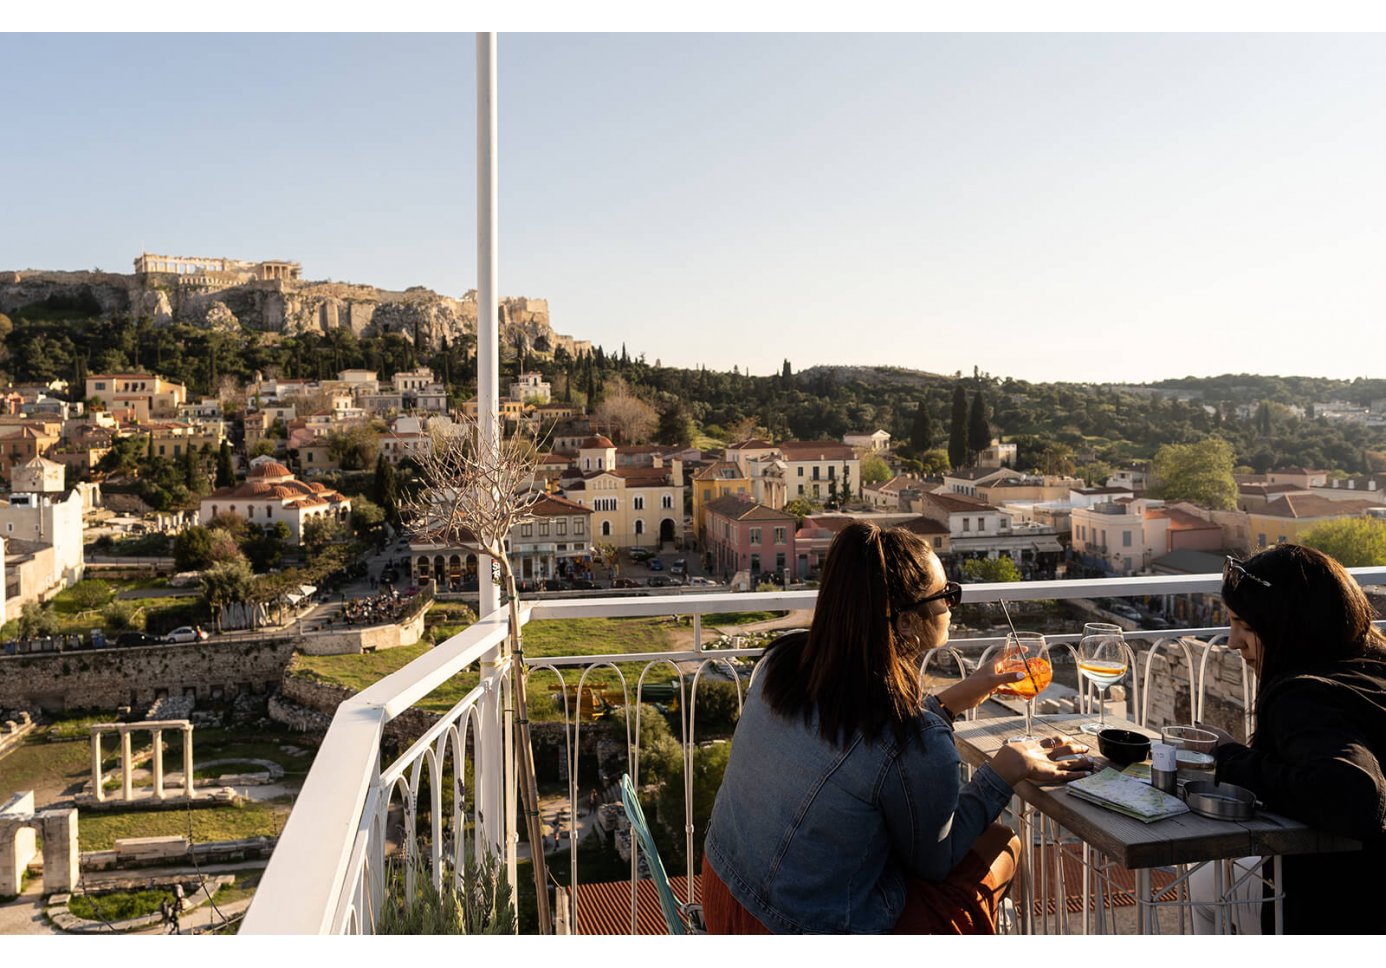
<point x="271" y="296"/>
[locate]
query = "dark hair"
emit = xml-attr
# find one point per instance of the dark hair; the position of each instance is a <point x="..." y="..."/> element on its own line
<point x="856" y="668"/>
<point x="1312" y="613"/>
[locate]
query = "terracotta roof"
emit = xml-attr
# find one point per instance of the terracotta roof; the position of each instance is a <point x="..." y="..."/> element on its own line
<point x="595" y="441"/>
<point x="1313" y="506"/>
<point x="977" y="473"/>
<point x="955" y="502"/>
<point x="755" y="443"/>
<point x="270" y="469"/>
<point x="1272" y="489"/>
<point x="801" y="450"/>
<point x="924" y="525"/>
<point x="737" y="508"/>
<point x="714" y="472"/>
<point x="1182" y="520"/>
<point x="554" y="504"/>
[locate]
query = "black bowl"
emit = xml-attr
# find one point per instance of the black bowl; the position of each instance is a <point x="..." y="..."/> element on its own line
<point x="1122" y="746"/>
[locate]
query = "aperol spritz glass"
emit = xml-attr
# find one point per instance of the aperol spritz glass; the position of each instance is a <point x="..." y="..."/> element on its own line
<point x="1103" y="660"/>
<point x="1025" y="652"/>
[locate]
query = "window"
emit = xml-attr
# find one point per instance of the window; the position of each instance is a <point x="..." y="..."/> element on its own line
<point x="667" y="502"/>
<point x="779" y="561"/>
<point x="755" y="536"/>
<point x="606" y="529"/>
<point x="938" y="542"/>
<point x="801" y="487"/>
<point x="815" y="473"/>
<point x="1126" y="540"/>
<point x="967" y="524"/>
<point x="981" y="524"/>
<point x="755" y="563"/>
<point x="526" y="530"/>
<point x="577" y="526"/>
<point x="639" y="525"/>
<point x="832" y="472"/>
<point x="562" y="527"/>
<point x="801" y="474"/>
<point x="779" y="536"/>
<point x="815" y="491"/>
<point x="543" y="529"/>
<point x="639" y="502"/>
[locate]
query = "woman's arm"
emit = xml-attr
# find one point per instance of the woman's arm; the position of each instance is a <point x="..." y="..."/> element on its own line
<point x="1313" y="765"/>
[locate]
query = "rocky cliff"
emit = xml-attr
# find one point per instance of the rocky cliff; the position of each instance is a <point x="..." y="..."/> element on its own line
<point x="284" y="306"/>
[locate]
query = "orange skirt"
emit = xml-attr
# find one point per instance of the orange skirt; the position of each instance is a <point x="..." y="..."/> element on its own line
<point x="964" y="902"/>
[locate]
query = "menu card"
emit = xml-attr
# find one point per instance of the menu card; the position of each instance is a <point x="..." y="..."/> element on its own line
<point x="1127" y="795"/>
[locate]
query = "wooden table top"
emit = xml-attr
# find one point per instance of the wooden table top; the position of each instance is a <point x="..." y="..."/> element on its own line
<point x="1187" y="838"/>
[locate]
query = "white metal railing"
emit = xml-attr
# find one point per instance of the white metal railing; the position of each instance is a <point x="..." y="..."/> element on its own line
<point x="327" y="874"/>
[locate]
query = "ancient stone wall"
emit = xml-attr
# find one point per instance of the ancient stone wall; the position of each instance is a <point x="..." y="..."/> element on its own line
<point x="109" y="678"/>
<point x="323" y="699"/>
<point x="356" y="640"/>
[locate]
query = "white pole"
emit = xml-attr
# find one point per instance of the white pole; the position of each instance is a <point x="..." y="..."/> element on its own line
<point x="497" y="749"/>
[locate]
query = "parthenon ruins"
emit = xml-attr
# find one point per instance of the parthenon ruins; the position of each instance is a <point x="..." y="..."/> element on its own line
<point x="219" y="269"/>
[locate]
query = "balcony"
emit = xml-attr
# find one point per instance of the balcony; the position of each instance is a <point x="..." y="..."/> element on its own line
<point x="328" y="874"/>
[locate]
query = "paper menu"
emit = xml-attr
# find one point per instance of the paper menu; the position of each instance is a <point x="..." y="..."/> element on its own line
<point x="1127" y="795"/>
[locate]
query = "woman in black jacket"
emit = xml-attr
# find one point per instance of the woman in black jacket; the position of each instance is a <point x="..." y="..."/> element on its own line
<point x="1305" y="627"/>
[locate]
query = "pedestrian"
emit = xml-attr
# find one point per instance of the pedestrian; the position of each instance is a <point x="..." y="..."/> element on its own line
<point x="592" y="801"/>
<point x="177" y="908"/>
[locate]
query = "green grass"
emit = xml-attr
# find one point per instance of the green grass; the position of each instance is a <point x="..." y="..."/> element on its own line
<point x="223" y="768"/>
<point x="740" y="618"/>
<point x="117" y="905"/>
<point x="245" y="884"/>
<point x="584" y="636"/>
<point x="100" y="831"/>
<point x="37" y="764"/>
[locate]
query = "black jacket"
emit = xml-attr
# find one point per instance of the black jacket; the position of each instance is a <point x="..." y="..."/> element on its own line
<point x="1317" y="757"/>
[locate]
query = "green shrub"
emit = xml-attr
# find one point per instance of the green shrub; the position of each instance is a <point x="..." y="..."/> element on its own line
<point x="481" y="904"/>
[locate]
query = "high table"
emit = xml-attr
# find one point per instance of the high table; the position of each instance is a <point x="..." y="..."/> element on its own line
<point x="1187" y="839"/>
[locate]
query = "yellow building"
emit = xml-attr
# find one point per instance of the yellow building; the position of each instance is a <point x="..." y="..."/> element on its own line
<point x="719" y="479"/>
<point x="172" y="440"/>
<point x="140" y="395"/>
<point x="631" y="506"/>
<point x="1286" y="519"/>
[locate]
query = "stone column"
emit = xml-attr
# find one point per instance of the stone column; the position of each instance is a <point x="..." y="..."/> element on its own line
<point x="187" y="762"/>
<point x="96" y="779"/>
<point x="61" y="855"/>
<point x="159" y="763"/>
<point x="126" y="785"/>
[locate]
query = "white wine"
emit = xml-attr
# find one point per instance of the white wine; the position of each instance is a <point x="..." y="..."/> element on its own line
<point x="1102" y="674"/>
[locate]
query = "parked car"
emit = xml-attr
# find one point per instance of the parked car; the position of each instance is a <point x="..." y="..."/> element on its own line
<point x="585" y="584"/>
<point x="656" y="564"/>
<point x="700" y="580"/>
<point x="639" y="554"/>
<point x="1126" y="612"/>
<point x="661" y="581"/>
<point x="625" y="583"/>
<point x="126" y="640"/>
<point x="679" y="567"/>
<point x="98" y="639"/>
<point x="186" y="633"/>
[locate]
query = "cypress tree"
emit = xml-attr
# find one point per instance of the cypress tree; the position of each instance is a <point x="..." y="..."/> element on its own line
<point x="386" y="489"/>
<point x="978" y="432"/>
<point x="922" y="435"/>
<point x="957" y="429"/>
<point x="226" y="477"/>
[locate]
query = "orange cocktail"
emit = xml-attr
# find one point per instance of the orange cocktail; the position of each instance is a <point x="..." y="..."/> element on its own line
<point x="1038" y="676"/>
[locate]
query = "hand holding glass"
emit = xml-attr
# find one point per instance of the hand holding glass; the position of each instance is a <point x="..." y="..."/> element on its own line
<point x="1025" y="652"/>
<point x="1103" y="661"/>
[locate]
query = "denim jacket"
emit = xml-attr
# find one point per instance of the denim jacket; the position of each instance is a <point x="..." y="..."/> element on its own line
<point x="813" y="838"/>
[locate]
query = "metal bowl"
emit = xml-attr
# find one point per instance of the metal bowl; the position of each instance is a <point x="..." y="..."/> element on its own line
<point x="1220" y="801"/>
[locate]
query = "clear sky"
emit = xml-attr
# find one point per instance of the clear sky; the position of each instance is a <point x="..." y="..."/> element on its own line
<point x="1092" y="207"/>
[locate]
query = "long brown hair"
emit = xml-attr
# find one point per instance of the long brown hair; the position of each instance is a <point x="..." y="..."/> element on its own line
<point x="1313" y="613"/>
<point x="856" y="668"/>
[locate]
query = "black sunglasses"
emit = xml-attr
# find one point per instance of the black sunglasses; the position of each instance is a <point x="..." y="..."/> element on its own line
<point x="1233" y="571"/>
<point x="951" y="595"/>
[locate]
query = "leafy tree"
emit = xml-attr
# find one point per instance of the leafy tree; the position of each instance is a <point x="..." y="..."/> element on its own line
<point x="355" y="447"/>
<point x="91" y="593"/>
<point x="709" y="767"/>
<point x="610" y="556"/>
<point x="922" y="432"/>
<point x="957" y="429"/>
<point x="192" y="549"/>
<point x="800" y="508"/>
<point x="1355" y="542"/>
<point x="226" y="583"/>
<point x="319" y="533"/>
<point x="264" y="447"/>
<point x="226" y="474"/>
<point x="934" y="462"/>
<point x="1200" y="473"/>
<point x="1000" y="568"/>
<point x="978" y="430"/>
<point x="675" y="426"/>
<point x="366" y="515"/>
<point x="265" y="547"/>
<point x="874" y="469"/>
<point x="37" y="621"/>
<point x="718" y="707"/>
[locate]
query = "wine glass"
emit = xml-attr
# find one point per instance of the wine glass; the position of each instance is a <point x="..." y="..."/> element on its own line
<point x="1025" y="652"/>
<point x="1103" y="661"/>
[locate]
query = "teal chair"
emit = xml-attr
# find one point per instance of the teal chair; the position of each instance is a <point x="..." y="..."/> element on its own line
<point x="680" y="918"/>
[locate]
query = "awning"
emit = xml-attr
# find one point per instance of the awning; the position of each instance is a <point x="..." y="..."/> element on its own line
<point x="1047" y="545"/>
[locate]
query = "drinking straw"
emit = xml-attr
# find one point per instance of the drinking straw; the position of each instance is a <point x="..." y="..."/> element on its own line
<point x="1006" y="612"/>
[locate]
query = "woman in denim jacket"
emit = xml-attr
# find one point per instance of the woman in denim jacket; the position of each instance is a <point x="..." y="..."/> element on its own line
<point x="842" y="809"/>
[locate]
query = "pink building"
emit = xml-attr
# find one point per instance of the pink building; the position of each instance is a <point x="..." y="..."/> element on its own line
<point x="745" y="536"/>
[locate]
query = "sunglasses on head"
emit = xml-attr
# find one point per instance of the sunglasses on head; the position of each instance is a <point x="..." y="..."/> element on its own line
<point x="1233" y="572"/>
<point x="951" y="596"/>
